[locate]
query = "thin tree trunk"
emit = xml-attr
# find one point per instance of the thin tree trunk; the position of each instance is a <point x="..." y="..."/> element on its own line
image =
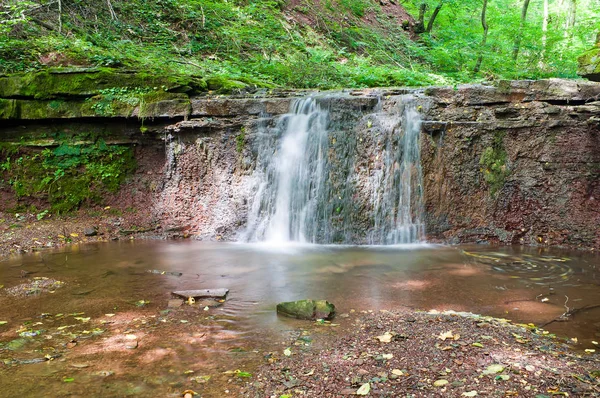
<point x="434" y="16"/>
<point x="544" y="34"/>
<point x="484" y="40"/>
<point x="517" y="46"/>
<point x="420" y="25"/>
<point x="59" y="16"/>
<point x="113" y="15"/>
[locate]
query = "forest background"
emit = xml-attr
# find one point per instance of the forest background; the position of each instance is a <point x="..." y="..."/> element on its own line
<point x="305" y="44"/>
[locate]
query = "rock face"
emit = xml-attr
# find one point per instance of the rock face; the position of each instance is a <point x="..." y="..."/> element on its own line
<point x="539" y="184"/>
<point x="514" y="163"/>
<point x="589" y="63"/>
<point x="307" y="309"/>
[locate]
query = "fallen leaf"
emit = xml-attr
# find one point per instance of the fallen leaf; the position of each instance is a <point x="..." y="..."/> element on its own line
<point x="589" y="350"/>
<point x="68" y="379"/>
<point x="495" y="368"/>
<point x="74" y="235"/>
<point x="387" y="356"/>
<point x="440" y="383"/>
<point x="446" y="335"/>
<point x="503" y="377"/>
<point x="397" y="372"/>
<point x="477" y="345"/>
<point x="545" y="300"/>
<point x="84" y="320"/>
<point x="287" y="352"/>
<point x="470" y="394"/>
<point x="385" y="338"/>
<point x="364" y="389"/>
<point x="200" y="379"/>
<point x="595" y="342"/>
<point x="3" y="322"/>
<point x="109" y="315"/>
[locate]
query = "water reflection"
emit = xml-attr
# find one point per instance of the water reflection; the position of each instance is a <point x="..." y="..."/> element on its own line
<point x="523" y="284"/>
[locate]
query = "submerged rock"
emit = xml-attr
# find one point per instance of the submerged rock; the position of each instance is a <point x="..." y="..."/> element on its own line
<point x="307" y="309"/>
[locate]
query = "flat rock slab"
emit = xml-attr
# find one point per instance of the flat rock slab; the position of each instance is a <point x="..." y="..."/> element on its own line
<point x="204" y="293"/>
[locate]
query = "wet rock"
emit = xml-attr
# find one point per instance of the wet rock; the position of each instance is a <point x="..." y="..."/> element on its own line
<point x="90" y="231"/>
<point x="175" y="303"/>
<point x="307" y="309"/>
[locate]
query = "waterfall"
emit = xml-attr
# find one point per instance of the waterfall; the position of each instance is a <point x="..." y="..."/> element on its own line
<point x="398" y="194"/>
<point x="303" y="195"/>
<point x="291" y="177"/>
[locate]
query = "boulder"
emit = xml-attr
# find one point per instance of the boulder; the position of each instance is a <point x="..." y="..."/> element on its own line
<point x="307" y="309"/>
<point x="589" y="63"/>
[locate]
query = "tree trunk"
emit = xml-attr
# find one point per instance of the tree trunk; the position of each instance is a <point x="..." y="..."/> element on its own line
<point x="544" y="34"/>
<point x="420" y="25"/>
<point x="517" y="46"/>
<point x="434" y="16"/>
<point x="111" y="10"/>
<point x="484" y="40"/>
<point x="59" y="16"/>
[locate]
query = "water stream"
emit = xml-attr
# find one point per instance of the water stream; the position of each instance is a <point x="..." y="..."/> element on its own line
<point x="301" y="195"/>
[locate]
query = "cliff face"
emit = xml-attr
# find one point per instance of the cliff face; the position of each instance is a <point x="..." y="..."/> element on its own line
<point x="518" y="163"/>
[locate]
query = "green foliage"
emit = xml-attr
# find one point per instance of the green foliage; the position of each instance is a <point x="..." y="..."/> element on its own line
<point x="69" y="175"/>
<point x="493" y="160"/>
<point x="105" y="103"/>
<point x="302" y="44"/>
<point x="240" y="141"/>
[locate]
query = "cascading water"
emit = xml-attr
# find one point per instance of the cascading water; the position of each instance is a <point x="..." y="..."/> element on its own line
<point x="303" y="195"/>
<point x="291" y="177"/>
<point x="398" y="192"/>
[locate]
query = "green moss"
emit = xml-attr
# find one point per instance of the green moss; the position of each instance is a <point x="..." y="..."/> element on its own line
<point x="493" y="162"/>
<point x="51" y="84"/>
<point x="589" y="64"/>
<point x="240" y="141"/>
<point x="160" y="103"/>
<point x="223" y="84"/>
<point x="8" y="109"/>
<point x="68" y="175"/>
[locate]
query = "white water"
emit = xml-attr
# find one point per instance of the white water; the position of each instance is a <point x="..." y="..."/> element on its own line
<point x="291" y="179"/>
<point x="398" y="191"/>
<point x="295" y="200"/>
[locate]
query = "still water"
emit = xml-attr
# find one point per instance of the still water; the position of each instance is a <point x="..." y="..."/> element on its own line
<point x="525" y="285"/>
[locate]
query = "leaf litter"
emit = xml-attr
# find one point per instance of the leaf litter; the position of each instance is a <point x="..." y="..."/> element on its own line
<point x="421" y="364"/>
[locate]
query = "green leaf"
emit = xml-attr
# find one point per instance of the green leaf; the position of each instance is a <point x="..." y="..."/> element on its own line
<point x="495" y="368"/>
<point x="68" y="379"/>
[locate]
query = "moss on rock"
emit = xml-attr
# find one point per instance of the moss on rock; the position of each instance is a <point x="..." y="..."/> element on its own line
<point x="307" y="309"/>
<point x="56" y="83"/>
<point x="224" y="85"/>
<point x="589" y="64"/>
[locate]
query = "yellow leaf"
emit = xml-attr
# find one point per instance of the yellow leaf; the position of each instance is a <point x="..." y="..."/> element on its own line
<point x="385" y="338"/>
<point x="364" y="389"/>
<point x="74" y="235"/>
<point x="446" y="335"/>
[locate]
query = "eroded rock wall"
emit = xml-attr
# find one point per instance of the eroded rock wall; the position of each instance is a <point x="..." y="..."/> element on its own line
<point x="544" y="189"/>
<point x="516" y="163"/>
